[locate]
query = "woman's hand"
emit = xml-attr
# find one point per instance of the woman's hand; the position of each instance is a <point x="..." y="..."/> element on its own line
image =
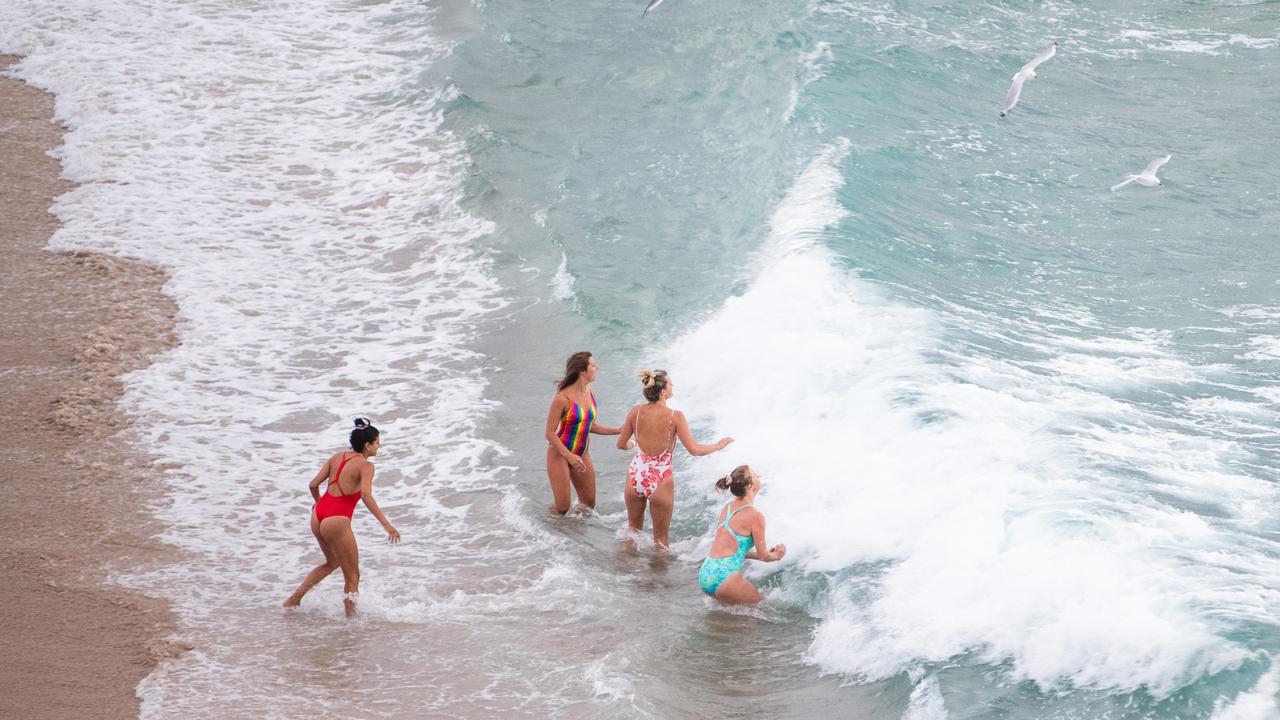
<point x="392" y="534"/>
<point x="631" y="444"/>
<point x="723" y="443"/>
<point x="778" y="551"/>
<point x="576" y="462"/>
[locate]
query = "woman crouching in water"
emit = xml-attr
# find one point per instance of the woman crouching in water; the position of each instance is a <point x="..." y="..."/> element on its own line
<point x="649" y="478"/>
<point x="570" y="420"/>
<point x="739" y="536"/>
<point x="350" y="477"/>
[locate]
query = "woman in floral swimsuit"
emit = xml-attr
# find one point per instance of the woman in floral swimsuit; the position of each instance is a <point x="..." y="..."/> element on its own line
<point x="649" y="479"/>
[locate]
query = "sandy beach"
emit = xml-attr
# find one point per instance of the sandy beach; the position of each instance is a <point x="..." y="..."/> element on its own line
<point x="76" y="490"/>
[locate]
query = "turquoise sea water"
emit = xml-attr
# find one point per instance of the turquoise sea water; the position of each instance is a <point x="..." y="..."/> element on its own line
<point x="1016" y="430"/>
<point x="826" y="193"/>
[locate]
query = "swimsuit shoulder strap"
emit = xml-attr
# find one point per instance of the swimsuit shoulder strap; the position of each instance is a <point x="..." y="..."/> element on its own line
<point x="568" y="411"/>
<point x="729" y="517"/>
<point x="338" y="475"/>
<point x="576" y="403"/>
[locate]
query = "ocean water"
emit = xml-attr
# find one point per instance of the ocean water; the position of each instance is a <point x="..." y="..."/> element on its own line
<point x="1017" y="431"/>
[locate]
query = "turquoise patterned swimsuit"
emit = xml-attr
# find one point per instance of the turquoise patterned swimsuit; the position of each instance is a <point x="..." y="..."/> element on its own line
<point x="716" y="570"/>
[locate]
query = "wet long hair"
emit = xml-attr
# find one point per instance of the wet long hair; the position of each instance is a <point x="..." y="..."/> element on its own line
<point x="654" y="381"/>
<point x="363" y="434"/>
<point x="573" y="367"/>
<point x="736" y="482"/>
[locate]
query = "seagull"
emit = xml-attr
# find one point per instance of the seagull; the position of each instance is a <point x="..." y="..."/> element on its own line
<point x="1027" y="72"/>
<point x="1146" y="177"/>
<point x="652" y="4"/>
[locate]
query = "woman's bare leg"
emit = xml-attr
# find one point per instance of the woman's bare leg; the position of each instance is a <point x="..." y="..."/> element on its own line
<point x="317" y="573"/>
<point x="661" y="505"/>
<point x="737" y="590"/>
<point x="584" y="483"/>
<point x="558" y="474"/>
<point x="337" y="532"/>
<point x="636" y="504"/>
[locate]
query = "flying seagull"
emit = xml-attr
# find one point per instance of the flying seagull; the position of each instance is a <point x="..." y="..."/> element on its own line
<point x="652" y="4"/>
<point x="1027" y="72"/>
<point x="1146" y="177"/>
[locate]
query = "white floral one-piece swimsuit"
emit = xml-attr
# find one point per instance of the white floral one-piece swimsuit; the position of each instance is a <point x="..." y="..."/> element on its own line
<point x="647" y="471"/>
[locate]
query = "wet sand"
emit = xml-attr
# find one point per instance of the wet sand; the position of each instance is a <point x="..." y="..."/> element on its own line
<point x="75" y="487"/>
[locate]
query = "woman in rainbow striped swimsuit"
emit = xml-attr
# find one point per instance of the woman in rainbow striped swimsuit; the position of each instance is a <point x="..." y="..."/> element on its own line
<point x="570" y="420"/>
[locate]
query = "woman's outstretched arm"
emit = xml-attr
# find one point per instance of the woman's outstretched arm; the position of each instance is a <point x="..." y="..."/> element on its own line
<point x="686" y="438"/>
<point x="598" y="429"/>
<point x="762" y="551"/>
<point x="366" y="494"/>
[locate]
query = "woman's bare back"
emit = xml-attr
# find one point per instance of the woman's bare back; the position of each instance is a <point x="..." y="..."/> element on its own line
<point x="349" y="480"/>
<point x="655" y="428"/>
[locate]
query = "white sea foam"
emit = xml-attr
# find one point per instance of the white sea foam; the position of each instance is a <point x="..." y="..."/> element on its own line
<point x="1205" y="42"/>
<point x="948" y="506"/>
<point x="1261" y="702"/>
<point x="1252" y="312"/>
<point x="1266" y="347"/>
<point x="562" y="283"/>
<point x="926" y="702"/>
<point x="288" y="167"/>
<point x="812" y="67"/>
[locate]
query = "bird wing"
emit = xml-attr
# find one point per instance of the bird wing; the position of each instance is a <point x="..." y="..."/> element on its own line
<point x="1015" y="91"/>
<point x="1050" y="52"/>
<point x="1154" y="165"/>
<point x="652" y="4"/>
<point x="1127" y="179"/>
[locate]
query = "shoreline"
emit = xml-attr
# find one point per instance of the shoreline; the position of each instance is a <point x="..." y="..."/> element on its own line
<point x="78" y="489"/>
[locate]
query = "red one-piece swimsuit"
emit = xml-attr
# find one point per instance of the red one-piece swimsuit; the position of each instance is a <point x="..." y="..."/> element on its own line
<point x="331" y="505"/>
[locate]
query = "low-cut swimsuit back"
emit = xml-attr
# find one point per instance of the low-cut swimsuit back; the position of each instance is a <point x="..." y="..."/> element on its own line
<point x="647" y="472"/>
<point x="331" y="505"/>
<point x="575" y="424"/>
<point x="715" y="571"/>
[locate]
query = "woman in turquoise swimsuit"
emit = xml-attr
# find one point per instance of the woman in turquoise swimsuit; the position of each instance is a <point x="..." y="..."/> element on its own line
<point x="738" y="537"/>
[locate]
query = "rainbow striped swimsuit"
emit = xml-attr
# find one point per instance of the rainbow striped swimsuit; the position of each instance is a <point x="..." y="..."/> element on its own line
<point x="575" y="424"/>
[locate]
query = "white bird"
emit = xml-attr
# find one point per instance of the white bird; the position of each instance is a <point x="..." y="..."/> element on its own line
<point x="1146" y="177"/>
<point x="1027" y="72"/>
<point x="652" y="4"/>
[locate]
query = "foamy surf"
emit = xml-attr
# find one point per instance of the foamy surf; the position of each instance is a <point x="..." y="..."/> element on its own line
<point x="1009" y="475"/>
<point x="939" y="501"/>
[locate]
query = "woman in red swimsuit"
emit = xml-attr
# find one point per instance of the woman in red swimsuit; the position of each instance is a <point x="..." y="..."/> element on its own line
<point x="570" y="420"/>
<point x="350" y="477"/>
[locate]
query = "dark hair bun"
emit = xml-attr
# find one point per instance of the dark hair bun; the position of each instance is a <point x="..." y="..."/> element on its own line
<point x="363" y="434"/>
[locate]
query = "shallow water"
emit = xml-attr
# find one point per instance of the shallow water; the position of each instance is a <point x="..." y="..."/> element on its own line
<point x="1016" y="430"/>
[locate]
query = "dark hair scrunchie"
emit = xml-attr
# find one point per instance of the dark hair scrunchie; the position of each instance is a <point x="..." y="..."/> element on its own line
<point x="363" y="434"/>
